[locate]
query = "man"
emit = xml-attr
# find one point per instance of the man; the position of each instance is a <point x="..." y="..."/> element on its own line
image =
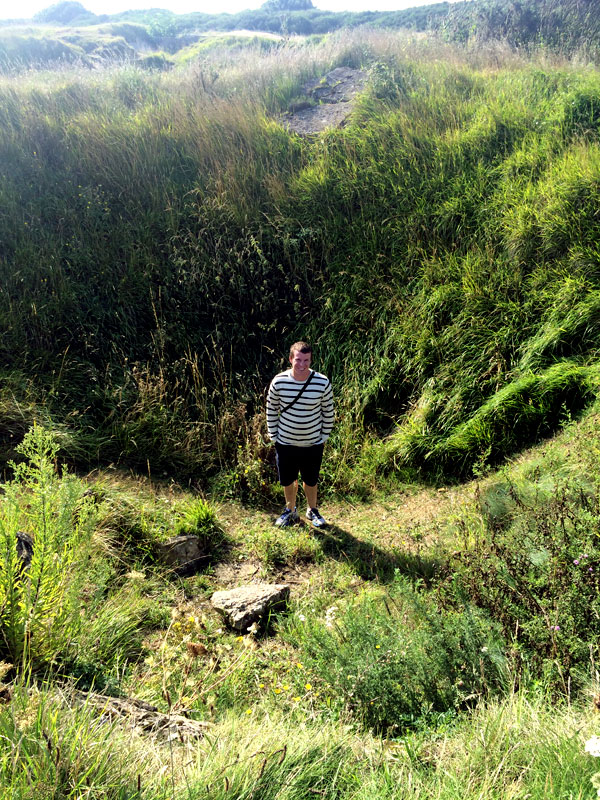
<point x="299" y="421"/>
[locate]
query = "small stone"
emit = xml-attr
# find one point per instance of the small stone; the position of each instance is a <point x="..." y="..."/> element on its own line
<point x="24" y="548"/>
<point x="183" y="554"/>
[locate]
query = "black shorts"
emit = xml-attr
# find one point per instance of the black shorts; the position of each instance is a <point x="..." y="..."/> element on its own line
<point x="292" y="460"/>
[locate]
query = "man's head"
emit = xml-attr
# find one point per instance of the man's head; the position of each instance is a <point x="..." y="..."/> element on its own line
<point x="300" y="357"/>
<point x="301" y="347"/>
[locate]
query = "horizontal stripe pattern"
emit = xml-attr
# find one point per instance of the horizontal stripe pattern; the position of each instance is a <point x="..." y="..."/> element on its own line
<point x="310" y="420"/>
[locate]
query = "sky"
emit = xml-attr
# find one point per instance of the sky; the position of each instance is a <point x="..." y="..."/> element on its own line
<point x="25" y="9"/>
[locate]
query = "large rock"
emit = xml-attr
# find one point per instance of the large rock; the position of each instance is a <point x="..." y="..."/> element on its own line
<point x="183" y="554"/>
<point x="245" y="605"/>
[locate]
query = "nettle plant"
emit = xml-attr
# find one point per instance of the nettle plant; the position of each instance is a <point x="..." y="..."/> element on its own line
<point x="40" y="601"/>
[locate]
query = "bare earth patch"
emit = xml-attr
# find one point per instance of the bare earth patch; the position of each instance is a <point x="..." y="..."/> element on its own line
<point x="369" y="538"/>
<point x="328" y="104"/>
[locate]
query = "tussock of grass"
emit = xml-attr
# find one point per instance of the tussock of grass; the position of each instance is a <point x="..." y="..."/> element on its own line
<point x="523" y="409"/>
<point x="60" y="746"/>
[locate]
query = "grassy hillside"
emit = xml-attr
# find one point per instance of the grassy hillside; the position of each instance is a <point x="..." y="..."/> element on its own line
<point x="66" y="31"/>
<point x="164" y="237"/>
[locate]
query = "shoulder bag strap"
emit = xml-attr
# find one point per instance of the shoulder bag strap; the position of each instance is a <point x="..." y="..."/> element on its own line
<point x="299" y="395"/>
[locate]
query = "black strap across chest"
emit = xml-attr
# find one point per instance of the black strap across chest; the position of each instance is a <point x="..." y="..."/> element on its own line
<point x="299" y="395"/>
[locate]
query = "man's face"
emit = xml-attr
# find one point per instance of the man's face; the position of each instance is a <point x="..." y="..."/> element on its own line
<point x="300" y="364"/>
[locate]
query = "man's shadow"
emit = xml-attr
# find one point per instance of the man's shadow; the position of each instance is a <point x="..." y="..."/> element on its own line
<point x="371" y="562"/>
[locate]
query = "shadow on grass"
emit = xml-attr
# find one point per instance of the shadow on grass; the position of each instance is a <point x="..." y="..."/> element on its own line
<point x="371" y="562"/>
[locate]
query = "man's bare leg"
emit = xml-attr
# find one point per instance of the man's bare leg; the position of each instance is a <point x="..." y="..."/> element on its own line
<point x="311" y="495"/>
<point x="290" y="493"/>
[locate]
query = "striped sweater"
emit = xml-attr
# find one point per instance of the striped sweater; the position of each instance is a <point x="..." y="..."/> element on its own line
<point x="310" y="420"/>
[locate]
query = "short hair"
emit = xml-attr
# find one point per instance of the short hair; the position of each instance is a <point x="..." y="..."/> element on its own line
<point x="300" y="347"/>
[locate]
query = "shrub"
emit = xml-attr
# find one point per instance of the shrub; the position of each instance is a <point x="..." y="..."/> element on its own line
<point x="532" y="562"/>
<point x="397" y="660"/>
<point x="64" y="12"/>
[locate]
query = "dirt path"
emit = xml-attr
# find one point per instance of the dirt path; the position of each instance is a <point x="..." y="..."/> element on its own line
<point x="328" y="103"/>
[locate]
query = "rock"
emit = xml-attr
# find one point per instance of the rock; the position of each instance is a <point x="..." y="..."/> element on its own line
<point x="6" y="694"/>
<point x="245" y="605"/>
<point x="144" y="716"/>
<point x="24" y="548"/>
<point x="183" y="554"/>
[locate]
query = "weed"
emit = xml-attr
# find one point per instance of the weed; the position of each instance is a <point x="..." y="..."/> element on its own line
<point x="39" y="601"/>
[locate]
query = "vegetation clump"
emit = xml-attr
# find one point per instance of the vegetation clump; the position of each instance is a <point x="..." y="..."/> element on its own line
<point x="398" y="660"/>
<point x="39" y="600"/>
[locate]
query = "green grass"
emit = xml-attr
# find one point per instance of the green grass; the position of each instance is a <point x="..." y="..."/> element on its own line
<point x="447" y="239"/>
<point x="513" y="748"/>
<point x="441" y="252"/>
<point x="371" y="686"/>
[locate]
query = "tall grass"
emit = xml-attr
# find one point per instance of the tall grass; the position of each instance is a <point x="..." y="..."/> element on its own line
<point x="515" y="747"/>
<point x="164" y="237"/>
<point x="54" y="744"/>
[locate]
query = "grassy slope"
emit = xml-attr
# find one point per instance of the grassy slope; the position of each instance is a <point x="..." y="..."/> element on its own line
<point x="495" y="327"/>
<point x="276" y="727"/>
<point x="442" y="251"/>
<point x="555" y="24"/>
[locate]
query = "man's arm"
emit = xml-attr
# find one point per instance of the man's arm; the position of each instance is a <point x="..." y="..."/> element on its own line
<point x="272" y="411"/>
<point x="327" y="412"/>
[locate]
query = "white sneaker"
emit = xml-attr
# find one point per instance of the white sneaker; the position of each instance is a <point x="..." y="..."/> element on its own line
<point x="315" y="517"/>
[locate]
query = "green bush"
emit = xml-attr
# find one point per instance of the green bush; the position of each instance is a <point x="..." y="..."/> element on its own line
<point x="399" y="660"/>
<point x="532" y="562"/>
